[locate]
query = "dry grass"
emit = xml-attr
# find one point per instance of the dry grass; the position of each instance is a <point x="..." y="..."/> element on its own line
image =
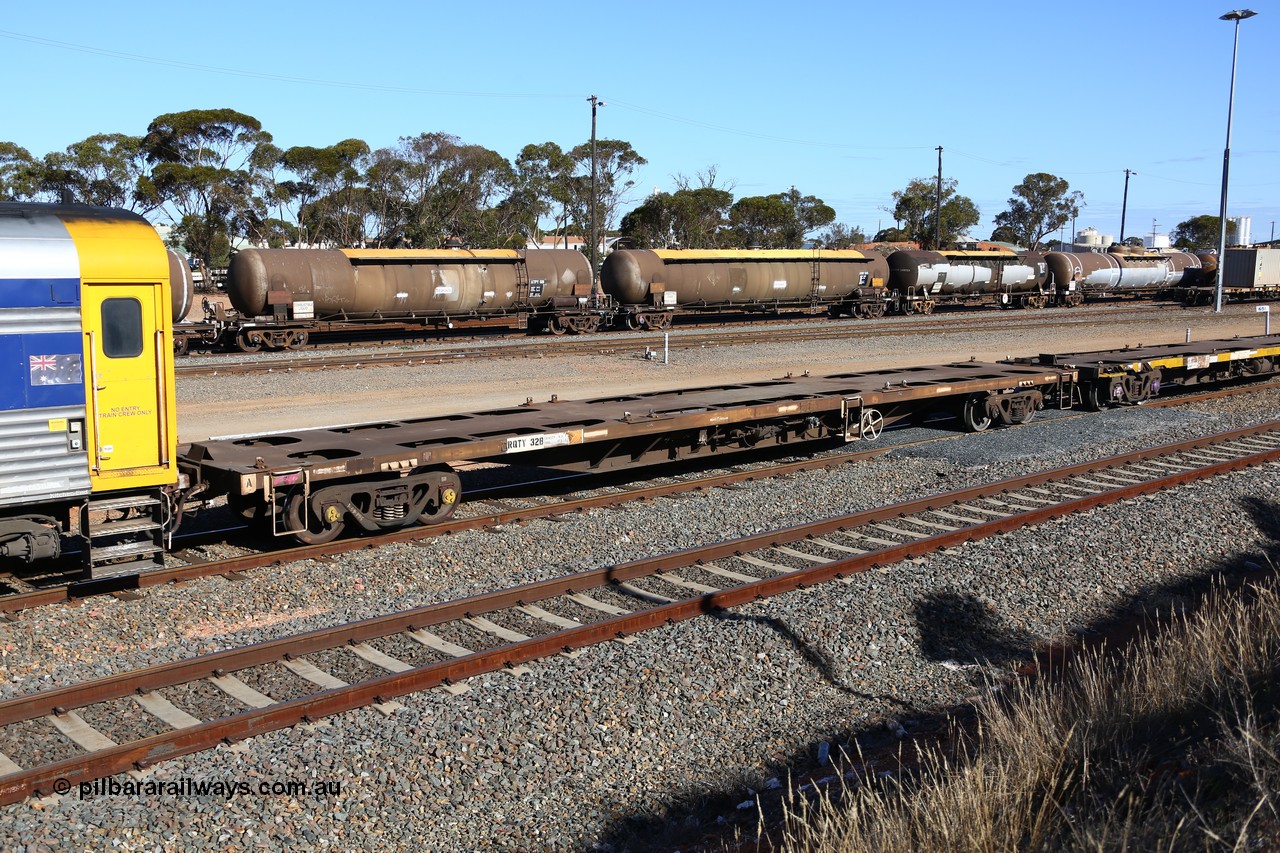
<point x="1170" y="744"/>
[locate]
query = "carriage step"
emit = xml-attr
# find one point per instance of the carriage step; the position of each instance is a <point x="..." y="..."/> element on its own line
<point x="128" y="502"/>
<point x="127" y="525"/>
<point x="136" y="550"/>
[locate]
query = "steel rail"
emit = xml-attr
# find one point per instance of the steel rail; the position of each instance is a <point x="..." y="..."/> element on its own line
<point x="785" y="323"/>
<point x="204" y="735"/>
<point x="595" y="345"/>
<point x="19" y="601"/>
<point x="76" y="590"/>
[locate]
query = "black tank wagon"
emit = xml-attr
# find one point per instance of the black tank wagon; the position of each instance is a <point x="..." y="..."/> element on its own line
<point x="652" y="283"/>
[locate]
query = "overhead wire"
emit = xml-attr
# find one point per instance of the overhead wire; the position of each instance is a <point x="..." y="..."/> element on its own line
<point x="261" y="75"/>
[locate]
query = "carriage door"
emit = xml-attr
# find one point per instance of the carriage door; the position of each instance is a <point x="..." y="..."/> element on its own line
<point x="125" y="379"/>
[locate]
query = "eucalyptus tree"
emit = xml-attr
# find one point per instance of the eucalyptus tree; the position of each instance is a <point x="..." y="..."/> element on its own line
<point x="688" y="218"/>
<point x="1040" y="205"/>
<point x="106" y="169"/>
<point x="433" y="186"/>
<point x="1201" y="232"/>
<point x="328" y="195"/>
<point x="615" y="160"/>
<point x="544" y="188"/>
<point x="841" y="236"/>
<point x="210" y="169"/>
<point x="779" y="221"/>
<point x="915" y="209"/>
<point x="20" y="173"/>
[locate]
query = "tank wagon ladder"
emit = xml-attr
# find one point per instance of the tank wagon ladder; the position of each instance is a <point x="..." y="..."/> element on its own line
<point x="522" y="295"/>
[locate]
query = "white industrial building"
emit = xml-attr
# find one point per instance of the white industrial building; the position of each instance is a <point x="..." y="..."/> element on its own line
<point x="1244" y="227"/>
<point x="1091" y="240"/>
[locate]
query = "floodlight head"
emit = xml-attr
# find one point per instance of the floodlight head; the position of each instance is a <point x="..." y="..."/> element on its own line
<point x="1238" y="15"/>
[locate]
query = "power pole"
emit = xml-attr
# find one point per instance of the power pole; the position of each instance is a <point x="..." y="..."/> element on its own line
<point x="1237" y="16"/>
<point x="595" y="236"/>
<point x="1124" y="207"/>
<point x="937" y="207"/>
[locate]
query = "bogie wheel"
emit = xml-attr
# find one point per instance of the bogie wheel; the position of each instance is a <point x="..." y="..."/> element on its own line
<point x="877" y="310"/>
<point x="872" y="424"/>
<point x="300" y="339"/>
<point x="975" y="415"/>
<point x="634" y="322"/>
<point x="442" y="502"/>
<point x="248" y="341"/>
<point x="181" y="345"/>
<point x="308" y="529"/>
<point x="926" y="307"/>
<point x="1096" y="397"/>
<point x="556" y="326"/>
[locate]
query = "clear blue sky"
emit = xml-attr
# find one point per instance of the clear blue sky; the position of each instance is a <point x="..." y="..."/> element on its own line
<point x="846" y="101"/>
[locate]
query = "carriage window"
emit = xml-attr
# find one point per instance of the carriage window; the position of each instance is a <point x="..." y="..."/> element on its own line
<point x="121" y="328"/>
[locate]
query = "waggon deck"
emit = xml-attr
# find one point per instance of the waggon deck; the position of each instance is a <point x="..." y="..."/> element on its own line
<point x="534" y="432"/>
<point x="1196" y="355"/>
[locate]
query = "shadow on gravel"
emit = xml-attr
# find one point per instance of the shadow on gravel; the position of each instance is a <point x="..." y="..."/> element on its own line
<point x="817" y="659"/>
<point x="1266" y="517"/>
<point x="962" y="629"/>
<point x="953" y="627"/>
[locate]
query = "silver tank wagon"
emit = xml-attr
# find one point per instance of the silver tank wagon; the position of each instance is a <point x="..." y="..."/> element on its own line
<point x="922" y="279"/>
<point x="1089" y="275"/>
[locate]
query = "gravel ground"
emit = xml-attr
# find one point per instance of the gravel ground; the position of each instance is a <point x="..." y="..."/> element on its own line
<point x="643" y="745"/>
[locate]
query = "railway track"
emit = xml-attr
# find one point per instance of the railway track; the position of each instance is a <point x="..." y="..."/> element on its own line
<point x="544" y="347"/>
<point x="505" y="514"/>
<point x="479" y="513"/>
<point x="498" y="333"/>
<point x="511" y="627"/>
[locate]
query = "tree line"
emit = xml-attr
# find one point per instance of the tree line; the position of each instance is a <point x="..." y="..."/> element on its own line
<point x="218" y="177"/>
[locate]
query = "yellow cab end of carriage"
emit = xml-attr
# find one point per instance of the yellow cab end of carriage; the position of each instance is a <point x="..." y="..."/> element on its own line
<point x="131" y="427"/>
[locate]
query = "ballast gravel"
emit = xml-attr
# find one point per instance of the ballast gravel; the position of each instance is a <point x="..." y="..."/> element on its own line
<point x="651" y="744"/>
